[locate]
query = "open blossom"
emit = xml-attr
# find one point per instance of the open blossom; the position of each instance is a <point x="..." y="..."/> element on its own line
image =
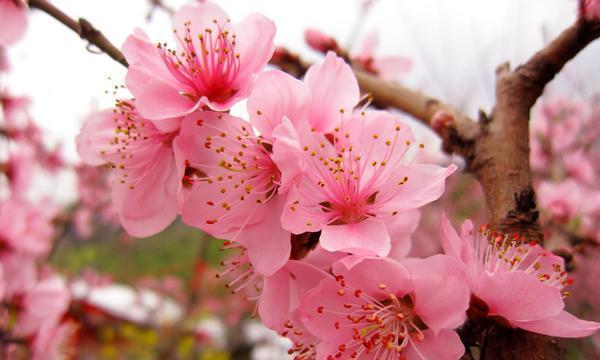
<point x="230" y="186"/>
<point x="387" y="67"/>
<point x="13" y="21"/>
<point x="378" y="309"/>
<point x="144" y="178"/>
<point x="357" y="183"/>
<point x="25" y="227"/>
<point x="214" y="64"/>
<point x="519" y="283"/>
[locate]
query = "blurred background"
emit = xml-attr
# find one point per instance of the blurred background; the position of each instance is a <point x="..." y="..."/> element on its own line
<point x="159" y="297"/>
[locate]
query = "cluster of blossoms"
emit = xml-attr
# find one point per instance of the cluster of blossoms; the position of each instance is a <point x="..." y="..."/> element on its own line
<point x="319" y="197"/>
<point x="565" y="158"/>
<point x="34" y="299"/>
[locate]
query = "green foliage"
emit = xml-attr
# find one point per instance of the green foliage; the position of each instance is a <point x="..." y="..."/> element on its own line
<point x="172" y="252"/>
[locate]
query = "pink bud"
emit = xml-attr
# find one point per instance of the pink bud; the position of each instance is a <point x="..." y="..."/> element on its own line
<point x="319" y="41"/>
<point x="591" y="9"/>
<point x="441" y="120"/>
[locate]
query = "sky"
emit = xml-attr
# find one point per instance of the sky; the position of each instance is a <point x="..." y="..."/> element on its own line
<point x="455" y="45"/>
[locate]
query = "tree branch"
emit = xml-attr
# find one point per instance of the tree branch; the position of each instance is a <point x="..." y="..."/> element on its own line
<point x="83" y="28"/>
<point x="501" y="164"/>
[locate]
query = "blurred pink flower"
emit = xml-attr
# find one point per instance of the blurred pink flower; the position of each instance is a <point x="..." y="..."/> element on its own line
<point x="144" y="178"/>
<point x="13" y="21"/>
<point x="214" y="65"/>
<point x="561" y="200"/>
<point x="319" y="41"/>
<point x="377" y="308"/>
<point x="517" y="282"/>
<point x="358" y="184"/>
<point x="55" y="341"/>
<point x="591" y="9"/>
<point x="45" y="303"/>
<point x="581" y="166"/>
<point x="559" y="122"/>
<point x="27" y="227"/>
<point x="230" y="186"/>
<point x="19" y="272"/>
<point x="390" y="68"/>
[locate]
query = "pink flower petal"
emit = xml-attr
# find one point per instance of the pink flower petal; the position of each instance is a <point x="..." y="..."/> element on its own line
<point x="333" y="87"/>
<point x="13" y="21"/>
<point x="369" y="273"/>
<point x="159" y="100"/>
<point x="267" y="234"/>
<point x="255" y="42"/>
<point x="561" y="325"/>
<point x="424" y="184"/>
<point x="287" y="154"/>
<point x="151" y="205"/>
<point x="441" y="292"/>
<point x="277" y="95"/>
<point x="445" y="346"/>
<point x="367" y="237"/>
<point x="96" y="132"/>
<point x="518" y="296"/>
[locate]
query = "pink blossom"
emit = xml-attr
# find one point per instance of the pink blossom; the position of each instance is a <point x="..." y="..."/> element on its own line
<point x="144" y="178"/>
<point x="319" y="41"/>
<point x="19" y="271"/>
<point x="230" y="186"/>
<point x="13" y="21"/>
<point x="377" y="308"/>
<point x="328" y="90"/>
<point x="55" y="341"/>
<point x="280" y="299"/>
<point x="559" y="122"/>
<point x="591" y="9"/>
<point x="214" y="64"/>
<point x="561" y="200"/>
<point x="389" y="68"/>
<point x="357" y="183"/>
<point x="46" y="302"/>
<point x="25" y="227"/>
<point x="580" y="166"/>
<point x="518" y="282"/>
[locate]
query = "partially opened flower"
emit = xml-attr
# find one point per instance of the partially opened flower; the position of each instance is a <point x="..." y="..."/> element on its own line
<point x="518" y="283"/>
<point x="13" y="21"/>
<point x="144" y="178"/>
<point x="230" y="186"/>
<point x="214" y="64"/>
<point x="378" y="309"/>
<point x="357" y="183"/>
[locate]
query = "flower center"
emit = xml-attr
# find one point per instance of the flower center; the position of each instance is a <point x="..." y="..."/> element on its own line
<point x="504" y="253"/>
<point x="349" y="176"/>
<point x="206" y="64"/>
<point x="381" y="326"/>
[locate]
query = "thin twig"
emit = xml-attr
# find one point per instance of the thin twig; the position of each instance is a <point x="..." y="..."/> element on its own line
<point x="83" y="28"/>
